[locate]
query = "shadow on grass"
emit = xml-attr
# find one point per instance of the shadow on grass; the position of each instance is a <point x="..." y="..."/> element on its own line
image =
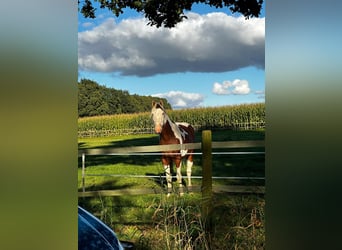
<point x="142" y="141"/>
<point x="141" y="160"/>
<point x="245" y="165"/>
<point x="107" y="209"/>
<point x="161" y="181"/>
<point x="106" y="185"/>
<point x="237" y="135"/>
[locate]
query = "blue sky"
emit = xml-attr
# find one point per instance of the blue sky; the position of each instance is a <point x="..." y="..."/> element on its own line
<point x="213" y="58"/>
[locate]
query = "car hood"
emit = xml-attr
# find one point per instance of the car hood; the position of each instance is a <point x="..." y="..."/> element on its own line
<point x="94" y="234"/>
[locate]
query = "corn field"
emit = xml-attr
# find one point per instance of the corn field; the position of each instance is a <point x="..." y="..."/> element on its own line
<point x="225" y="117"/>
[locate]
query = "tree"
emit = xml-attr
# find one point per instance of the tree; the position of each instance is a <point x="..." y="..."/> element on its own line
<point x="168" y="13"/>
<point x="95" y="99"/>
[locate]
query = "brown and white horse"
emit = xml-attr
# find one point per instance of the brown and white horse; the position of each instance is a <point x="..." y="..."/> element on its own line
<point x="173" y="133"/>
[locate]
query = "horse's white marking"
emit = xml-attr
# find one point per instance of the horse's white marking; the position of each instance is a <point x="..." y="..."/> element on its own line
<point x="159" y="116"/>
<point x="183" y="132"/>
<point x="185" y="124"/>
<point x="178" y="133"/>
<point x="189" y="165"/>
<point x="179" y="180"/>
<point x="168" y="176"/>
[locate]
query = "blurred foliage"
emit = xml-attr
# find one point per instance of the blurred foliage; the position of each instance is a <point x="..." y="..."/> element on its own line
<point x="167" y="13"/>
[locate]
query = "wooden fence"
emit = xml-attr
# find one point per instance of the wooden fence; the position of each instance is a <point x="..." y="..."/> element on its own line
<point x="205" y="146"/>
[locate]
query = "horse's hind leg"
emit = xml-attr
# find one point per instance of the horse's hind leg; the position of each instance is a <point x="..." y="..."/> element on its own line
<point x="179" y="178"/>
<point x="188" y="171"/>
<point x="189" y="164"/>
<point x="167" y="170"/>
<point x="168" y="178"/>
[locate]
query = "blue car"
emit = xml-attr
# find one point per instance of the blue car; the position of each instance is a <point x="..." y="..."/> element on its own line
<point x="94" y="234"/>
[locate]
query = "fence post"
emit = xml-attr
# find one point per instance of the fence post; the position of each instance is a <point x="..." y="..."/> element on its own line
<point x="207" y="178"/>
<point x="83" y="172"/>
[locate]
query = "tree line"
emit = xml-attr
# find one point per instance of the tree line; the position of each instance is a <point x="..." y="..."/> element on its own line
<point x="95" y="99"/>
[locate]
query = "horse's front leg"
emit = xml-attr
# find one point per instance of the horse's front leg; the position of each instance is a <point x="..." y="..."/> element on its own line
<point x="167" y="170"/>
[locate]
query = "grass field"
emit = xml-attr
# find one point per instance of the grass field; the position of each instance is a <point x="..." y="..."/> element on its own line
<point x="157" y="222"/>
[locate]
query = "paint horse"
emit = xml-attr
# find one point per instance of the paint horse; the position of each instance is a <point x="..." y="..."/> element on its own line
<point x="173" y="133"/>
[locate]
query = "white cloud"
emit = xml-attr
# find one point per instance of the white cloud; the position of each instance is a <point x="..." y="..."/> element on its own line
<point x="215" y="42"/>
<point x="237" y="87"/>
<point x="220" y="89"/>
<point x="179" y="99"/>
<point x="241" y="87"/>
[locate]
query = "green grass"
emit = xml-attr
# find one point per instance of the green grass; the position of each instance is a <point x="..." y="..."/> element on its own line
<point x="157" y="222"/>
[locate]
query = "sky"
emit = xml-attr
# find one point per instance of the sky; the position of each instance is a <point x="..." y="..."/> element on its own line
<point x="213" y="58"/>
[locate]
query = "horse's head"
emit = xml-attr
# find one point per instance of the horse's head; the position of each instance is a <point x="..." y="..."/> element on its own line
<point x="158" y="116"/>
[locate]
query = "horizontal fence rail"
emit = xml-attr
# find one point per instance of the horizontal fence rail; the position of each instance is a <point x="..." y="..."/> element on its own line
<point x="139" y="149"/>
<point x="172" y="147"/>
